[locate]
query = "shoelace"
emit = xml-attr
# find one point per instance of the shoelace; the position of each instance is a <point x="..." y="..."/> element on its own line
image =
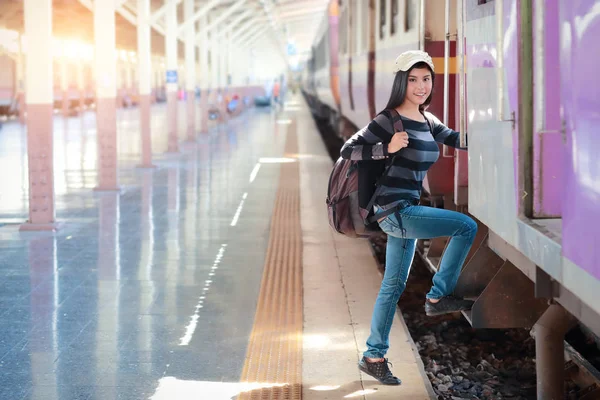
<point x="382" y="369"/>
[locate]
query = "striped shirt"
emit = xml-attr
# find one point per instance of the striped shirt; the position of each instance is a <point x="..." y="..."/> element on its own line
<point x="405" y="178"/>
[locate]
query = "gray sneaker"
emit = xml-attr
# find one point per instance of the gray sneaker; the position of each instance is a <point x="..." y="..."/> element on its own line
<point x="446" y="305"/>
<point x="379" y="370"/>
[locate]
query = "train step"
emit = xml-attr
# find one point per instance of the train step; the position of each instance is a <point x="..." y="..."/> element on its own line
<point x="504" y="296"/>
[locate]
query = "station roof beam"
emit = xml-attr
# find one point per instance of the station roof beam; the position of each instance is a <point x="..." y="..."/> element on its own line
<point x="221" y="18"/>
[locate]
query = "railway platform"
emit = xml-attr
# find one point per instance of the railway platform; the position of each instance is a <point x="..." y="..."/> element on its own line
<point x="213" y="275"/>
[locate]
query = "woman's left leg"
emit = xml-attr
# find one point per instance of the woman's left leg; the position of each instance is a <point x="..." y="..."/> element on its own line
<point x="398" y="259"/>
<point x="399" y="256"/>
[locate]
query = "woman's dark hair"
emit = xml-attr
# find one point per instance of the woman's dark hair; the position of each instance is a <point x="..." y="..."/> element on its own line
<point x="398" y="93"/>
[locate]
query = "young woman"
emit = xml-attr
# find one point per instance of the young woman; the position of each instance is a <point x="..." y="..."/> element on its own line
<point x="416" y="150"/>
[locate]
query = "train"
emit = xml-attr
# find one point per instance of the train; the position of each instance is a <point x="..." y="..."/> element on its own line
<point x="517" y="77"/>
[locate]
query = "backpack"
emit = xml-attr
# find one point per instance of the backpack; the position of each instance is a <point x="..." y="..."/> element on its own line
<point x="354" y="186"/>
<point x="352" y="190"/>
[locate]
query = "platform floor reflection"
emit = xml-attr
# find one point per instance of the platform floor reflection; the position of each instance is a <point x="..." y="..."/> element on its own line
<point x="158" y="280"/>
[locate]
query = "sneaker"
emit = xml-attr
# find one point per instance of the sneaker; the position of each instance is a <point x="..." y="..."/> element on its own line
<point x="379" y="370"/>
<point x="446" y="305"/>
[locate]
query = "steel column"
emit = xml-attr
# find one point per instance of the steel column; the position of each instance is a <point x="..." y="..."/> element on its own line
<point x="549" y="333"/>
<point x="144" y="80"/>
<point x="106" y="74"/>
<point x="215" y="84"/>
<point x="80" y="85"/>
<point x="64" y="85"/>
<point x="119" y="82"/>
<point x="21" y="81"/>
<point x="129" y="85"/>
<point x="204" y="77"/>
<point x="172" y="78"/>
<point x="39" y="97"/>
<point x="190" y="71"/>
<point x="223" y="74"/>
<point x="229" y="64"/>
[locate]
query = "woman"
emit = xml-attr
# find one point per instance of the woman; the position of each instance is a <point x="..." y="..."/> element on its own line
<point x="416" y="150"/>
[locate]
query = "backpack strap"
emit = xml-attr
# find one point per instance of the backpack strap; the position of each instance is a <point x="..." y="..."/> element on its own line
<point x="390" y="114"/>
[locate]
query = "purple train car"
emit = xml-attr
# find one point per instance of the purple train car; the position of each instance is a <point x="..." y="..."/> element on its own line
<point x="530" y="108"/>
<point x="531" y="112"/>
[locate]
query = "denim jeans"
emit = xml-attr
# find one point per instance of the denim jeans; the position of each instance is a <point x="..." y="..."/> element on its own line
<point x="403" y="229"/>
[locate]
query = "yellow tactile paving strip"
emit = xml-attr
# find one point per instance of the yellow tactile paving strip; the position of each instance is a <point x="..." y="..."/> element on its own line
<point x="274" y="354"/>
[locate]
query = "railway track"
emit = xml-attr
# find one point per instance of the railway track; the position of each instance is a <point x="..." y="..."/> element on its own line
<point x="582" y="377"/>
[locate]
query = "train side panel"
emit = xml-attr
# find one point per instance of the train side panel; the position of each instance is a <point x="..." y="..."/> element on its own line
<point x="564" y="249"/>
<point x="353" y="58"/>
<point x="580" y="85"/>
<point x="394" y="35"/>
<point x="492" y="183"/>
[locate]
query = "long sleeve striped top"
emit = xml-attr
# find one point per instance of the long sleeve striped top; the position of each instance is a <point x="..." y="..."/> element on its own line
<point x="405" y="179"/>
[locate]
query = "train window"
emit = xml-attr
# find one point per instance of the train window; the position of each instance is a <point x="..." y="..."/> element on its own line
<point x="382" y="21"/>
<point x="394" y="18"/>
<point x="352" y="27"/>
<point x="343" y="31"/>
<point x="364" y="25"/>
<point x="410" y="15"/>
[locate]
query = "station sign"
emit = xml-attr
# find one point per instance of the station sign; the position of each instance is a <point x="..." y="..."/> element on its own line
<point x="171" y="76"/>
<point x="291" y="49"/>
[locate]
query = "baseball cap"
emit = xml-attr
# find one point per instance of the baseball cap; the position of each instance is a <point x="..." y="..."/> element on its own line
<point x="409" y="58"/>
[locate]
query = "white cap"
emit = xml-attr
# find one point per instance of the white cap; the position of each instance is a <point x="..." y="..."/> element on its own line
<point x="409" y="58"/>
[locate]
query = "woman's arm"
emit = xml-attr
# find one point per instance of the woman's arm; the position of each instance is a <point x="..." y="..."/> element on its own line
<point x="442" y="134"/>
<point x="371" y="142"/>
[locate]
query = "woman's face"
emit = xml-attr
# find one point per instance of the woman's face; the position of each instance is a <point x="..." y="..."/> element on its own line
<point x="419" y="86"/>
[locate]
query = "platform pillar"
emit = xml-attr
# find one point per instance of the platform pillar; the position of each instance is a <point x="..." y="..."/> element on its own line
<point x="223" y="74"/>
<point x="80" y="85"/>
<point x="190" y="70"/>
<point x="21" y="81"/>
<point x="129" y="87"/>
<point x="144" y="81"/>
<point x="64" y="85"/>
<point x="549" y="333"/>
<point x="172" y="78"/>
<point x="39" y="95"/>
<point x="204" y="75"/>
<point x="215" y="50"/>
<point x="119" y="83"/>
<point x="106" y="81"/>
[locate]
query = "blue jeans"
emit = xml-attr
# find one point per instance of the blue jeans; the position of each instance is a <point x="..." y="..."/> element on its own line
<point x="403" y="229"/>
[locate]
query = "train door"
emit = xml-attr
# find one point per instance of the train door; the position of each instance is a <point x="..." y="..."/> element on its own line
<point x="579" y="24"/>
<point x="437" y="36"/>
<point x="547" y="163"/>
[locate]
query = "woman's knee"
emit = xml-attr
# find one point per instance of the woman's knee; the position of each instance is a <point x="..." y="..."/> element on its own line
<point x="392" y="287"/>
<point x="469" y="227"/>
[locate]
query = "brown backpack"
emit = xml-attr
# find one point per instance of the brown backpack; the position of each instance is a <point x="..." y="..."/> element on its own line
<point x="352" y="190"/>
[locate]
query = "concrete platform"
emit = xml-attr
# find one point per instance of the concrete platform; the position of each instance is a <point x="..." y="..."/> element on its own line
<point x="151" y="292"/>
<point x="341" y="281"/>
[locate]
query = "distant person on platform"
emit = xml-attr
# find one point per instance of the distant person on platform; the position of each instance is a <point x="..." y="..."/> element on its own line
<point x="276" y="90"/>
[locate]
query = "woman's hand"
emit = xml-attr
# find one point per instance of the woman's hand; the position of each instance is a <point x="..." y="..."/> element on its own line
<point x="399" y="141"/>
